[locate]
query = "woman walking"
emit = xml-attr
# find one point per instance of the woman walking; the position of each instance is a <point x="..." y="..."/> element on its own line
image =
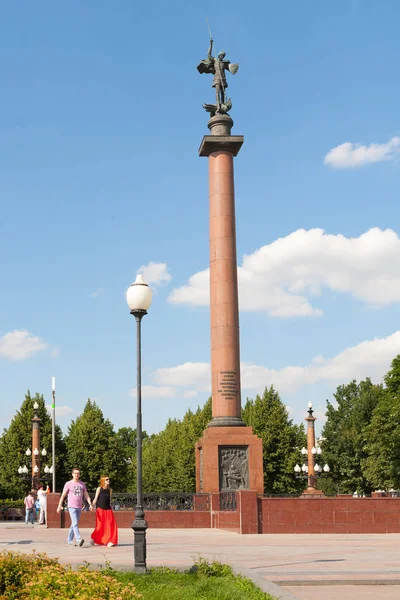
<point x="106" y="532"/>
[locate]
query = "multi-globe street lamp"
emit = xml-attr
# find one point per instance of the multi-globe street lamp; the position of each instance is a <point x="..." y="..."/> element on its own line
<point x="24" y="471"/>
<point x="32" y="472"/>
<point x="138" y="297"/>
<point x="311" y="470"/>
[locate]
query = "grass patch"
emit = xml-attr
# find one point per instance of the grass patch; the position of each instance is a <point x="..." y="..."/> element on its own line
<point x="38" y="577"/>
<point x="205" y="581"/>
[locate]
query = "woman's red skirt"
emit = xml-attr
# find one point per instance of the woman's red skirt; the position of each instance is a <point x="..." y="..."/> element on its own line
<point x="106" y="528"/>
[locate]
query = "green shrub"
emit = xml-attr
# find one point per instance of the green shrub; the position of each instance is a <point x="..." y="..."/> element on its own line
<point x="36" y="576"/>
<point x="8" y="503"/>
<point x="211" y="569"/>
<point x="62" y="583"/>
<point x="16" y="569"/>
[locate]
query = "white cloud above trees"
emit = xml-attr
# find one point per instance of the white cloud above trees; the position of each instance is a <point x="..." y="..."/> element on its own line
<point x="20" y="345"/>
<point x="61" y="411"/>
<point x="281" y="278"/>
<point x="369" y="358"/>
<point x="350" y="155"/>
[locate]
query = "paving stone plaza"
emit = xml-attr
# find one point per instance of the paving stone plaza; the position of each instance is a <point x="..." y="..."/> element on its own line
<point x="360" y="567"/>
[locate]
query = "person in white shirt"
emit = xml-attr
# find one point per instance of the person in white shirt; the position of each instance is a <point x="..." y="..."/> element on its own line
<point x="42" y="497"/>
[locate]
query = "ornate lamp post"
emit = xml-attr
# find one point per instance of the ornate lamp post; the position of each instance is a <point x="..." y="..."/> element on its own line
<point x="138" y="297"/>
<point x="312" y="470"/>
<point x="33" y="457"/>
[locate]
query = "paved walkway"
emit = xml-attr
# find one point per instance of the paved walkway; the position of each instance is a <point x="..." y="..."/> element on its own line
<point x="288" y="566"/>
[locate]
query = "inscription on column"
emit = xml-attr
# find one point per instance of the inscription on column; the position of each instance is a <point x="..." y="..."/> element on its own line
<point x="227" y="385"/>
<point x="233" y="468"/>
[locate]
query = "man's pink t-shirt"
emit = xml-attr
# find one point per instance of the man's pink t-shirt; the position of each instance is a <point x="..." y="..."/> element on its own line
<point x="29" y="501"/>
<point x="74" y="491"/>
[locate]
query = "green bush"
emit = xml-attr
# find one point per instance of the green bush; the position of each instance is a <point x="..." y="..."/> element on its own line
<point x="36" y="576"/>
<point x="211" y="569"/>
<point x="62" y="583"/>
<point x="8" y="503"/>
<point x="16" y="569"/>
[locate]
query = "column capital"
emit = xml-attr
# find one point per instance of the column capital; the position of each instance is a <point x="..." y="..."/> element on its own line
<point x="221" y="143"/>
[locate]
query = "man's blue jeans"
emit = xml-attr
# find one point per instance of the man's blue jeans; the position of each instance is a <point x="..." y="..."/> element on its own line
<point x="29" y="515"/>
<point x="75" y="514"/>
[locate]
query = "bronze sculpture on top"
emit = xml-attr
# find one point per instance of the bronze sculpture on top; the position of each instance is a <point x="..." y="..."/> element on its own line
<point x="217" y="66"/>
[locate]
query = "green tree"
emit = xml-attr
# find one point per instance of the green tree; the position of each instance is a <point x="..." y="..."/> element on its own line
<point x="18" y="438"/>
<point x="128" y="441"/>
<point x="169" y="456"/>
<point x="392" y="377"/>
<point x="382" y="436"/>
<point x="282" y="441"/>
<point x="93" y="446"/>
<point x="344" y="436"/>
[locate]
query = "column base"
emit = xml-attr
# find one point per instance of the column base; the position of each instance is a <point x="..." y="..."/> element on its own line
<point x="229" y="459"/>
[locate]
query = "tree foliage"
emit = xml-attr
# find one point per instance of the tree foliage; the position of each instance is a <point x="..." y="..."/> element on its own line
<point x="382" y="464"/>
<point x="282" y="441"/>
<point x="344" y="434"/>
<point x="93" y="446"/>
<point x="169" y="456"/>
<point x="128" y="441"/>
<point x="18" y="438"/>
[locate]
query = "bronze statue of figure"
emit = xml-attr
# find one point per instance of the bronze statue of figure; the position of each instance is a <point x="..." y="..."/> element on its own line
<point x="218" y="66"/>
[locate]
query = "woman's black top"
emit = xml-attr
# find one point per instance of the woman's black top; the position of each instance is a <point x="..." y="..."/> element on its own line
<point x="104" y="499"/>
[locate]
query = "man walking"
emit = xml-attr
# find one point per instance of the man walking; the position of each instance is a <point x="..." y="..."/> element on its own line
<point x="29" y="502"/>
<point x="76" y="491"/>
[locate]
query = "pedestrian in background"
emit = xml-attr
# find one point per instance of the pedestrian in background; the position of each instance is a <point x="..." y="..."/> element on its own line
<point x="29" y="503"/>
<point x="42" y="498"/>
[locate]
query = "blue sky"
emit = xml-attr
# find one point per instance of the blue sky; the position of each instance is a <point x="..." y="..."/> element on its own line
<point x="101" y="118"/>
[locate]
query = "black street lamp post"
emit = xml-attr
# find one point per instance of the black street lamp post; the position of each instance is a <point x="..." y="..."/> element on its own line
<point x="139" y="298"/>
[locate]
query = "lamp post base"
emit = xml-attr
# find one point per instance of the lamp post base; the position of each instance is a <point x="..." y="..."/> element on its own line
<point x="139" y="527"/>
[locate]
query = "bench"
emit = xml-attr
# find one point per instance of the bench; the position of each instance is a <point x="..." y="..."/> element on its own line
<point x="14" y="514"/>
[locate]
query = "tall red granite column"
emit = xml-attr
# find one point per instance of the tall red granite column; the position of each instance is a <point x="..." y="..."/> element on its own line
<point x="227" y="443"/>
<point x="221" y="147"/>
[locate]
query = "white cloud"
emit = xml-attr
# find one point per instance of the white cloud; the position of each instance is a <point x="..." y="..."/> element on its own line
<point x="154" y="392"/>
<point x="355" y="155"/>
<point x="196" y="291"/>
<point x="20" y="345"/>
<point x="189" y="394"/>
<point x="61" y="411"/>
<point x="177" y="382"/>
<point x="189" y="374"/>
<point x="98" y="292"/>
<point x="370" y="358"/>
<point x="155" y="273"/>
<point x="279" y="277"/>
